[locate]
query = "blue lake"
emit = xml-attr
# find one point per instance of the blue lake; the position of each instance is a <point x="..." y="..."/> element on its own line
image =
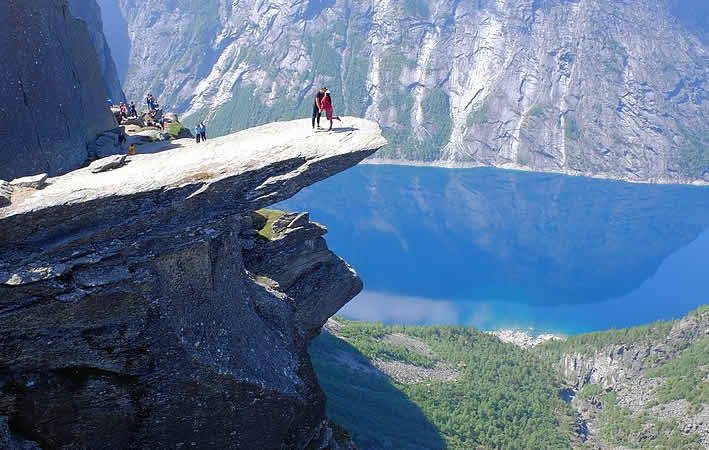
<point x="496" y="249"/>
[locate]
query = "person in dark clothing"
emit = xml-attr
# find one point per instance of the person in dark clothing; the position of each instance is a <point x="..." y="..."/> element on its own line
<point x="317" y="105"/>
<point x="149" y="101"/>
<point x="327" y="107"/>
<point x="133" y="111"/>
<point x="203" y="127"/>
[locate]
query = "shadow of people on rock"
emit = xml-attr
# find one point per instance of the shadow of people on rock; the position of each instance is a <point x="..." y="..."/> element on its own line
<point x="362" y="399"/>
<point x="344" y="129"/>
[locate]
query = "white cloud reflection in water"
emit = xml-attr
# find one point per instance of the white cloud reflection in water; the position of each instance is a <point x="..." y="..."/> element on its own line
<point x="391" y="308"/>
<point x="484" y="315"/>
<point x="409" y="310"/>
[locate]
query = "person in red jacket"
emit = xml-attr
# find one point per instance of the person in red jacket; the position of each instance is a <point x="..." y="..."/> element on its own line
<point x="326" y="105"/>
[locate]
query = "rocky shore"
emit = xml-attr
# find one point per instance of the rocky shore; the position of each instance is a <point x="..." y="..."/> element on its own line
<point x="524" y="338"/>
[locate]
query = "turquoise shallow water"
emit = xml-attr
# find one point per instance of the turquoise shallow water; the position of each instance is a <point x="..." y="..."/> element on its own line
<point x="497" y="249"/>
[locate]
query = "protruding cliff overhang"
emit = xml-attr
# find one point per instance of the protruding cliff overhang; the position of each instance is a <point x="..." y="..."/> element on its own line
<point x="140" y="307"/>
<point x="185" y="186"/>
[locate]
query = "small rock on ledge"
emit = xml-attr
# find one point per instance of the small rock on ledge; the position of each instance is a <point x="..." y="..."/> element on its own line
<point x="34" y="182"/>
<point x="106" y="164"/>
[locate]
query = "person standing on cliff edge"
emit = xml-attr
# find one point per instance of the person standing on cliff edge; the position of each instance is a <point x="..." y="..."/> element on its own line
<point x="327" y="107"/>
<point x="317" y="104"/>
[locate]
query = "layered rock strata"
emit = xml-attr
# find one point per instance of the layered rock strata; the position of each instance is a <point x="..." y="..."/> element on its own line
<point x="133" y="307"/>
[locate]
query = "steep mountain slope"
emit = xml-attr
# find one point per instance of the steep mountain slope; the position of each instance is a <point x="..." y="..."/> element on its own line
<point x="89" y="12"/>
<point x="596" y="87"/>
<point x="52" y="93"/>
<point x="642" y="387"/>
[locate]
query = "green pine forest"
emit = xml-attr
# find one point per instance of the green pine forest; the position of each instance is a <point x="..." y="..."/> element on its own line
<point x="505" y="397"/>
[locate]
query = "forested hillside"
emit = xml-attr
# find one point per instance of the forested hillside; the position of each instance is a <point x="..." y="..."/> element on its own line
<point x="403" y="387"/>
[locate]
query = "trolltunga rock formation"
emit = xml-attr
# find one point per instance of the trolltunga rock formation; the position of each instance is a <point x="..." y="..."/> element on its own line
<point x="140" y="307"/>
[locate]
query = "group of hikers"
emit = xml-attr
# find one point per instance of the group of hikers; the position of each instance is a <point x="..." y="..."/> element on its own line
<point x="152" y="102"/>
<point x="127" y="110"/>
<point x="323" y="102"/>
<point x="200" y="132"/>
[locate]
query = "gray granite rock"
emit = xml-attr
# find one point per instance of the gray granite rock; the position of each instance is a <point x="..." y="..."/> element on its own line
<point x="89" y="12"/>
<point x="34" y="182"/>
<point x="132" y="297"/>
<point x="108" y="163"/>
<point x="5" y="193"/>
<point x="52" y="95"/>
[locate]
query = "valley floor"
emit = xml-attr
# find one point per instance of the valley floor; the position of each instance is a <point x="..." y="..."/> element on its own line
<point x="455" y="387"/>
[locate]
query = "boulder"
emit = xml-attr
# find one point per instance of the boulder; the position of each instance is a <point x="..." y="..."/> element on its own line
<point x="107" y="144"/>
<point x="34" y="182"/>
<point x="172" y="117"/>
<point x="106" y="164"/>
<point x="137" y="121"/>
<point x="5" y="193"/>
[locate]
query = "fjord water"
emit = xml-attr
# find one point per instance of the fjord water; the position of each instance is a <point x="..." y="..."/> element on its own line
<point x="495" y="249"/>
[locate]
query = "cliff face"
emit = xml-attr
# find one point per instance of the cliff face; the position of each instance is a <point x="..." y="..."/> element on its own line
<point x="89" y="12"/>
<point x="594" y="87"/>
<point x="143" y="309"/>
<point x="628" y="369"/>
<point x="52" y="94"/>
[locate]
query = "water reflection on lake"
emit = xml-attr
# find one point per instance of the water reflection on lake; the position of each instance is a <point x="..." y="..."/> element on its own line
<point x="494" y="248"/>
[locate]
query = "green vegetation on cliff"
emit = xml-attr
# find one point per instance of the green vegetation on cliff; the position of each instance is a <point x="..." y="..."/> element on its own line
<point x="685" y="376"/>
<point x="271" y="215"/>
<point x="590" y="343"/>
<point x="619" y="427"/>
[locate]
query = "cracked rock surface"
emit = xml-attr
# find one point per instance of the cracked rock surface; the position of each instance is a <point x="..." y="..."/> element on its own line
<point x="131" y="315"/>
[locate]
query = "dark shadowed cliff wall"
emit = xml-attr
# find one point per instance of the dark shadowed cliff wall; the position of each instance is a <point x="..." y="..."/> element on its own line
<point x="89" y="12"/>
<point x="52" y="93"/>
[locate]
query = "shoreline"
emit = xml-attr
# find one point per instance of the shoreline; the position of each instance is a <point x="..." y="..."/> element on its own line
<point x="519" y="168"/>
<point x="525" y="339"/>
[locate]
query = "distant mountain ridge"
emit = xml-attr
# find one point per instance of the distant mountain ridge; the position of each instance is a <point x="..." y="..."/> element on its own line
<point x="592" y="87"/>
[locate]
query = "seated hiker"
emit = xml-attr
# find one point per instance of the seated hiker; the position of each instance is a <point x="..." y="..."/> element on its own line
<point x="327" y="107"/>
